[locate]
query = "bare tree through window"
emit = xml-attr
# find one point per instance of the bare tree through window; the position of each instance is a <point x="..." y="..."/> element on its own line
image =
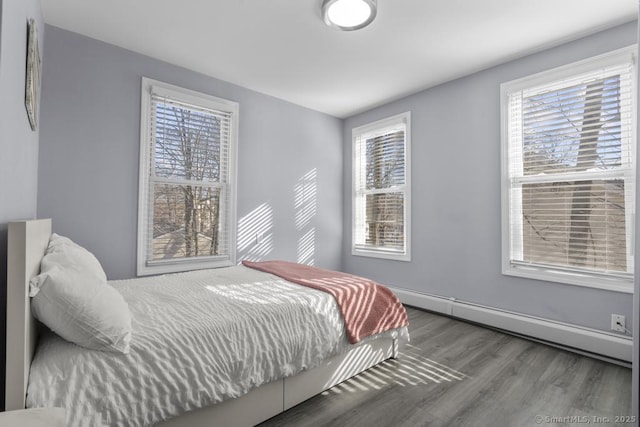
<point x="188" y="181"/>
<point x="187" y="190"/>
<point x="569" y="218"/>
<point x="385" y="169"/>
<point x="381" y="179"/>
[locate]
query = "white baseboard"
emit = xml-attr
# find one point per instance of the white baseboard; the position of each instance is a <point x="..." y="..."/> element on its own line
<point x="572" y="337"/>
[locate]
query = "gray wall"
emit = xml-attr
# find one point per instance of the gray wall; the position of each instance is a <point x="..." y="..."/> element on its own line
<point x="456" y="235"/>
<point x="88" y="176"/>
<point x="18" y="143"/>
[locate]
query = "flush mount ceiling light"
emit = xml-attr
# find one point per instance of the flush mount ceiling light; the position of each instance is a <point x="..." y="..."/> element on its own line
<point x="348" y="15"/>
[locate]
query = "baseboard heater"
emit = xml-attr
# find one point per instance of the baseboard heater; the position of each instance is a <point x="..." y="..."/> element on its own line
<point x="575" y="338"/>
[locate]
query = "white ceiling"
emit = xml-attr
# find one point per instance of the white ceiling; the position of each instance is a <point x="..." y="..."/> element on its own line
<point x="283" y="48"/>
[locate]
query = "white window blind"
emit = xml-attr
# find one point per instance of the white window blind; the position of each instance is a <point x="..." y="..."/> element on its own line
<point x="381" y="188"/>
<point x="187" y="170"/>
<point x="569" y="173"/>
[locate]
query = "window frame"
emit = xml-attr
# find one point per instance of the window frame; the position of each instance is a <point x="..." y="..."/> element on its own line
<point x="188" y="96"/>
<point x="620" y="282"/>
<point x="373" y="127"/>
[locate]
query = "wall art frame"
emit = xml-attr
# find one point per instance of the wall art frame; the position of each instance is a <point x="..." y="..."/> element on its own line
<point x="32" y="84"/>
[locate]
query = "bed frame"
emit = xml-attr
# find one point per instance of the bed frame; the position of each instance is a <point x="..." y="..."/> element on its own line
<point x="27" y="243"/>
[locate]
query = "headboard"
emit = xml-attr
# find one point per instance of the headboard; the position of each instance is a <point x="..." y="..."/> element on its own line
<point x="26" y="245"/>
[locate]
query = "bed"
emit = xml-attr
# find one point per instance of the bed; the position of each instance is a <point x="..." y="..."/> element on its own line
<point x="243" y="404"/>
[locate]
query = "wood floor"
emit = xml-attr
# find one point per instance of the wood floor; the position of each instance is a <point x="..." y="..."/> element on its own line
<point x="457" y="374"/>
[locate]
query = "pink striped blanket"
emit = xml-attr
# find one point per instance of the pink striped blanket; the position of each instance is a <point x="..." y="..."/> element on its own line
<point x="367" y="307"/>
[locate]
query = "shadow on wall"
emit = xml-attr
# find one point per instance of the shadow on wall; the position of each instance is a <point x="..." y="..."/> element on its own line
<point x="255" y="229"/>
<point x="255" y="234"/>
<point x="305" y="201"/>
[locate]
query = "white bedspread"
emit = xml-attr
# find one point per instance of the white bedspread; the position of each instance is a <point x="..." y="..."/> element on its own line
<point x="198" y="338"/>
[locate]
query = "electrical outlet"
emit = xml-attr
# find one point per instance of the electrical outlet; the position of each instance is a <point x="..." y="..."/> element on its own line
<point x="617" y="323"/>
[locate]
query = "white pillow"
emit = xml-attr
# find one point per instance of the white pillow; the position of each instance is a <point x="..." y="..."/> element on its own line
<point x="72" y="297"/>
<point x="62" y="250"/>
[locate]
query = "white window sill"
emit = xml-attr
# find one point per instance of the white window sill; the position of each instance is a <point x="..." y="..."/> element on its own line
<point x="609" y="283"/>
<point x="372" y="253"/>
<point x="177" y="266"/>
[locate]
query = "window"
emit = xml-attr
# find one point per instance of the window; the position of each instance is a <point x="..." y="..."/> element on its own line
<point x="186" y="212"/>
<point x="381" y="203"/>
<point x="568" y="170"/>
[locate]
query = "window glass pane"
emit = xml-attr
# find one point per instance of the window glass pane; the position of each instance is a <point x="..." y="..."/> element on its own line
<point x="575" y="224"/>
<point x="385" y="163"/>
<point x="569" y="173"/>
<point x="187" y="143"/>
<point x="187" y="192"/>
<point x="186" y="222"/>
<point x="381" y="165"/>
<point x="575" y="128"/>
<point x="385" y="220"/>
